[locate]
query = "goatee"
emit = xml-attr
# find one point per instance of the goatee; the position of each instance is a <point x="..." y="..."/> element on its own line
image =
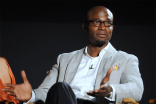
<point x="100" y="43"/>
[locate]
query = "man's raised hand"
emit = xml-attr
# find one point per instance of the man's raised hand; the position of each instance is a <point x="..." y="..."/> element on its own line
<point x="22" y="92"/>
<point x="105" y="88"/>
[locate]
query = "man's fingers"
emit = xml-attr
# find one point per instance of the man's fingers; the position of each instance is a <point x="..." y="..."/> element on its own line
<point x="109" y="72"/>
<point x="15" y="98"/>
<point x="25" y="80"/>
<point x="8" y="90"/>
<point x="104" y="86"/>
<point x="106" y="78"/>
<point x="100" y="91"/>
<point x="12" y="93"/>
<point x="90" y="91"/>
<point x="95" y="95"/>
<point x="96" y="92"/>
<point x="9" y="85"/>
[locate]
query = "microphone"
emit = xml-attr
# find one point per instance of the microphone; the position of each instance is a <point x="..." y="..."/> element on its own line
<point x="91" y="67"/>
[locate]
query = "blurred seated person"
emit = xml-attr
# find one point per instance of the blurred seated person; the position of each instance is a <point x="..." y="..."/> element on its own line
<point x="6" y="76"/>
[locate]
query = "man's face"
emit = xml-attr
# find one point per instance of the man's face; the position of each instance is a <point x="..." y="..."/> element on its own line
<point x="98" y="36"/>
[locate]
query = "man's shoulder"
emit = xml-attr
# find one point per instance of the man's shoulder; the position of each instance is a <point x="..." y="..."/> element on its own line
<point x="124" y="55"/>
<point x="71" y="54"/>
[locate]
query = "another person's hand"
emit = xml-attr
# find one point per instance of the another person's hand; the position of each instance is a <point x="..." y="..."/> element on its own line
<point x="105" y="88"/>
<point x="22" y="92"/>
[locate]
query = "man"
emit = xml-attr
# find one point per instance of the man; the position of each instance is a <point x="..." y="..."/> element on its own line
<point x="93" y="75"/>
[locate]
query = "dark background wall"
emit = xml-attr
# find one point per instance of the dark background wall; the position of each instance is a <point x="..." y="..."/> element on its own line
<point x="34" y="33"/>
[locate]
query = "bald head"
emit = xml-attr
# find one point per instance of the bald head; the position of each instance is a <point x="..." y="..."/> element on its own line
<point x="99" y="11"/>
<point x="99" y="26"/>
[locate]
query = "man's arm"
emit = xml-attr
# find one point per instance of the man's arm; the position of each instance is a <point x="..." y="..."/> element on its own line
<point x="131" y="84"/>
<point x="42" y="90"/>
<point x="22" y="92"/>
<point x="51" y="78"/>
<point x="105" y="88"/>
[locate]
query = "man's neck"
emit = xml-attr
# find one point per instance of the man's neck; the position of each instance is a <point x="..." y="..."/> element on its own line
<point x="94" y="51"/>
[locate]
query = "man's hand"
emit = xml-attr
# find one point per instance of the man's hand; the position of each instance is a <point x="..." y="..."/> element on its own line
<point x="103" y="91"/>
<point x="22" y="92"/>
<point x="105" y="88"/>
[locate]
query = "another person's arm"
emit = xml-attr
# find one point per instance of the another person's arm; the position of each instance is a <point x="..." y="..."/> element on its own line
<point x="4" y="71"/>
<point x="6" y="76"/>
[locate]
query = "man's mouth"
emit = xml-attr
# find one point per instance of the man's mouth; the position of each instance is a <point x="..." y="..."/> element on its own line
<point x="101" y="35"/>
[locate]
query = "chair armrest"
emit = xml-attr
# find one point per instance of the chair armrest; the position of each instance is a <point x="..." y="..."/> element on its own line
<point x="152" y="101"/>
<point x="128" y="101"/>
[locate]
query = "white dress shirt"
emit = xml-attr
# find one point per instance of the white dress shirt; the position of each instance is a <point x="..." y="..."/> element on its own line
<point x="84" y="80"/>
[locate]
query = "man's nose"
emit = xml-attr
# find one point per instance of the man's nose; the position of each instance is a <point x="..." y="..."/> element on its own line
<point x="102" y="26"/>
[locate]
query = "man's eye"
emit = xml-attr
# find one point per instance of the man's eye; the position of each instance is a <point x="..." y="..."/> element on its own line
<point x="108" y="22"/>
<point x="95" y="21"/>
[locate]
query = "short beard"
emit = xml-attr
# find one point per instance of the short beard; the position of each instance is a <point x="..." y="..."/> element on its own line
<point x="99" y="43"/>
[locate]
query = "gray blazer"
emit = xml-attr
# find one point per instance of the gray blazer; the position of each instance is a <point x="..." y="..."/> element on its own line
<point x="126" y="81"/>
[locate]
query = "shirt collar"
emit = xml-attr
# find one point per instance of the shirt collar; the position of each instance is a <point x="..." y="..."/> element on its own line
<point x="101" y="52"/>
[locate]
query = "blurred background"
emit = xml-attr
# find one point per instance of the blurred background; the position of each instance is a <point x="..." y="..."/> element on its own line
<point x="33" y="33"/>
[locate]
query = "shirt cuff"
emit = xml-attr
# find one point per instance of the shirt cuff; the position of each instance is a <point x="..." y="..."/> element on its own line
<point x="32" y="98"/>
<point x="111" y="98"/>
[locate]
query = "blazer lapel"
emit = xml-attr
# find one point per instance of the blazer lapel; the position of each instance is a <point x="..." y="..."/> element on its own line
<point x="102" y="70"/>
<point x="73" y="66"/>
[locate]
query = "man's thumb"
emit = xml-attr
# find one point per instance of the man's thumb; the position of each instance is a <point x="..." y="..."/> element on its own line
<point x="106" y="78"/>
<point x="25" y="80"/>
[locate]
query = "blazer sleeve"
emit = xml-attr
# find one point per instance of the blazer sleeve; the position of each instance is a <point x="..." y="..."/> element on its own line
<point x="51" y="78"/>
<point x="131" y="84"/>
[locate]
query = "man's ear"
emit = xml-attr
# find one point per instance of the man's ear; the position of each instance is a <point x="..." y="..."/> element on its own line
<point x="84" y="27"/>
<point x="112" y="27"/>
